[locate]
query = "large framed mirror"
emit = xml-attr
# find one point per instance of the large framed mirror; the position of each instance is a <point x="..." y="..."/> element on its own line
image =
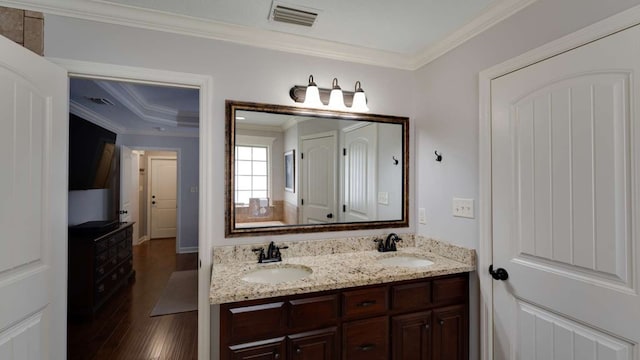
<point x="297" y="170"/>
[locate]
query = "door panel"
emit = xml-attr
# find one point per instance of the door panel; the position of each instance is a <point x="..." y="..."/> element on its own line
<point x="360" y="174"/>
<point x="565" y="177"/>
<point x="33" y="210"/>
<point x="548" y="336"/>
<point x="163" y="198"/>
<point x="317" y="179"/>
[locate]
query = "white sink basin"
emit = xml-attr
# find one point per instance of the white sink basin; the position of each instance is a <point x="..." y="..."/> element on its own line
<point x="405" y="261"/>
<point x="274" y="275"/>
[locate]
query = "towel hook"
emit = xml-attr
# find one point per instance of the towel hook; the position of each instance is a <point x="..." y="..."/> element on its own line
<point x="438" y="156"/>
<point x="395" y="161"/>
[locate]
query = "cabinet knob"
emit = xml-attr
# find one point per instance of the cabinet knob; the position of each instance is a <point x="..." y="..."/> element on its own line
<point x="441" y="322"/>
<point x="276" y="355"/>
<point x="298" y="350"/>
<point x="426" y="327"/>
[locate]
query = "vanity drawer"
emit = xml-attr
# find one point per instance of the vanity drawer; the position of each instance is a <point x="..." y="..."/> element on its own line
<point x="313" y="312"/>
<point x="365" y="302"/>
<point x="449" y="290"/>
<point x="366" y="339"/>
<point x="255" y="321"/>
<point x="411" y="296"/>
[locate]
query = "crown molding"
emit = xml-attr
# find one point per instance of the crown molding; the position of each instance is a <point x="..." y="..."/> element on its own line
<point x="495" y="13"/>
<point x="82" y="111"/>
<point x="132" y="100"/>
<point x="97" y="119"/>
<point x="119" y="14"/>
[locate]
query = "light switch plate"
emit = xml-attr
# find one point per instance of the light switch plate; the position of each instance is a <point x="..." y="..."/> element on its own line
<point x="422" y="216"/>
<point x="463" y="208"/>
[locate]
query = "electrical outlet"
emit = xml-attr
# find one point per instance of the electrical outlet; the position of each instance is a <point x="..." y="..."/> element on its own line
<point x="463" y="208"/>
<point x="422" y="216"/>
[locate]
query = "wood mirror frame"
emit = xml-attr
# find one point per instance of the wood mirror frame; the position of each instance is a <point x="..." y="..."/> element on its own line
<point x="230" y="214"/>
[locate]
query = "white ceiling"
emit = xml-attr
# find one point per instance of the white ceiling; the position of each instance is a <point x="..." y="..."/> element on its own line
<point x="404" y="34"/>
<point x="402" y="26"/>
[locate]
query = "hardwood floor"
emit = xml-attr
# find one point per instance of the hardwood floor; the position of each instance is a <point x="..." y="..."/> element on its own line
<point x="122" y="328"/>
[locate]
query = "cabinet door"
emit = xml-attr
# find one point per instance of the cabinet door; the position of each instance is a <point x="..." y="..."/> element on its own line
<point x="314" y="345"/>
<point x="366" y="339"/>
<point x="411" y="336"/>
<point x="450" y="333"/>
<point x="273" y="349"/>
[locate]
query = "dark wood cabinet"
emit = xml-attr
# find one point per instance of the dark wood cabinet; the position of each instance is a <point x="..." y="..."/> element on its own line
<point x="450" y="333"/>
<point x="273" y="349"/>
<point x="314" y="345"/>
<point x="411" y="334"/>
<point x="98" y="266"/>
<point x="420" y="319"/>
<point x="366" y="339"/>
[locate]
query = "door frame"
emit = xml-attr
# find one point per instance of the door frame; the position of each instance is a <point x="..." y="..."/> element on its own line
<point x="206" y="209"/>
<point x="178" y="207"/>
<point x="581" y="37"/>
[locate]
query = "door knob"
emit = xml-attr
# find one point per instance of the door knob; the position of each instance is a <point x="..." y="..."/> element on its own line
<point x="499" y="274"/>
<point x="329" y="216"/>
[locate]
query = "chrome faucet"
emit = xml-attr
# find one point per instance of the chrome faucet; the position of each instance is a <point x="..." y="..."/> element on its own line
<point x="389" y="244"/>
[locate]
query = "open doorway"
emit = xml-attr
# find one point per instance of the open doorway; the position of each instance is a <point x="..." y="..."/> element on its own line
<point x="156" y="129"/>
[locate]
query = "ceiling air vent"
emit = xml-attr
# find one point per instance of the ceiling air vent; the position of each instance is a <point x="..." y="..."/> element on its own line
<point x="99" y="101"/>
<point x="291" y="15"/>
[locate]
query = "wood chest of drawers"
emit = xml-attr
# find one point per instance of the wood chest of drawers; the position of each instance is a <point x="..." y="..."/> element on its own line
<point x="98" y="266"/>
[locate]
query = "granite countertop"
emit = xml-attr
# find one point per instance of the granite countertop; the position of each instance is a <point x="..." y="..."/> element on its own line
<point x="331" y="271"/>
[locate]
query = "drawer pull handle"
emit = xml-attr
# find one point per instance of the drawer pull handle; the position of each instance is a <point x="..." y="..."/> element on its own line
<point x="367" y="303"/>
<point x="101" y="288"/>
<point x="366" y="347"/>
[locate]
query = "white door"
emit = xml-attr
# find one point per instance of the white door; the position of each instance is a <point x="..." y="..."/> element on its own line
<point x="566" y="181"/>
<point x="317" y="178"/>
<point x="129" y="185"/>
<point x="163" y="198"/>
<point x="33" y="205"/>
<point x="360" y="169"/>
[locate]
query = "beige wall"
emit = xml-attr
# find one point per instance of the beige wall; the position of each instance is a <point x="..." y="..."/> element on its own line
<point x="24" y="27"/>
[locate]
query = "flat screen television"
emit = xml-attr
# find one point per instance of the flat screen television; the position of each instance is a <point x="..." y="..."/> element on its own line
<point x="91" y="155"/>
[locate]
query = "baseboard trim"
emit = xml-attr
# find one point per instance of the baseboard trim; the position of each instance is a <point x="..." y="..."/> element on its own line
<point x="188" y="249"/>
<point x="142" y="239"/>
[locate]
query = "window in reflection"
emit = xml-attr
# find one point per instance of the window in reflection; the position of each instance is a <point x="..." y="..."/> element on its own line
<point x="251" y="174"/>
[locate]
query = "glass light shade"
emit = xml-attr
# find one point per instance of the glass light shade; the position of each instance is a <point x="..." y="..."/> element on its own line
<point x="359" y="102"/>
<point x="312" y="95"/>
<point x="336" y="98"/>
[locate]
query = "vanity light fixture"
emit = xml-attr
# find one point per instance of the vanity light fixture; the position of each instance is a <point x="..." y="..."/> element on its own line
<point x="334" y="98"/>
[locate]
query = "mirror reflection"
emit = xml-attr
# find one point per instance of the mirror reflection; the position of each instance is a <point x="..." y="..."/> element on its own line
<point x="292" y="168"/>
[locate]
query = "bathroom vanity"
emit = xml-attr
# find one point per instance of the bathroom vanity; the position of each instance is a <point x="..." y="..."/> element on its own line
<point x="351" y="305"/>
